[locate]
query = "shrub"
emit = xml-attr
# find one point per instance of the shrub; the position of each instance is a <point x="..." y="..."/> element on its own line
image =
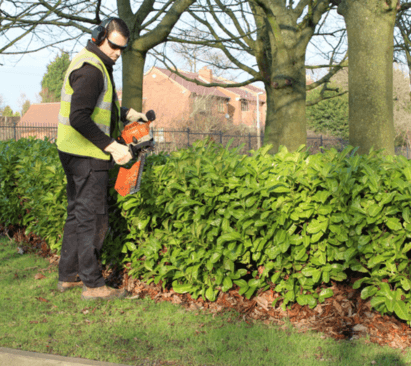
<point x="210" y="219"/>
<point x="329" y="116"/>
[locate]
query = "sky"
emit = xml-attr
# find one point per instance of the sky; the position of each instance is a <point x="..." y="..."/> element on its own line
<point x="23" y="73"/>
<point x="25" y="77"/>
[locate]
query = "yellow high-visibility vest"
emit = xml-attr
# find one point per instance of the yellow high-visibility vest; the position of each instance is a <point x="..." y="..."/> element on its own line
<point x="68" y="139"/>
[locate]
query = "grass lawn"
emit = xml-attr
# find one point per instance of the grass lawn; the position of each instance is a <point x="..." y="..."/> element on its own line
<point x="34" y="316"/>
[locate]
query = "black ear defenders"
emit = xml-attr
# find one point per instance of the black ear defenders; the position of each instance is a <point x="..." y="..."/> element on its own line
<point x="100" y="32"/>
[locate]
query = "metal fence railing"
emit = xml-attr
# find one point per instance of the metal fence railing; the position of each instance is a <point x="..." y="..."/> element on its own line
<point x="168" y="140"/>
<point x="16" y="132"/>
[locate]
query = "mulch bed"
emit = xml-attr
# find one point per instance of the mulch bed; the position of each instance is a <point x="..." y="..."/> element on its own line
<point x="345" y="316"/>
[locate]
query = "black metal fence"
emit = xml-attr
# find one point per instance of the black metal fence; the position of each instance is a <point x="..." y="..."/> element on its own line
<point x="168" y="140"/>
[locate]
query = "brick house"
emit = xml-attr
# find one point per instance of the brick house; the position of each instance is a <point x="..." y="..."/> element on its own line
<point x="38" y="119"/>
<point x="175" y="100"/>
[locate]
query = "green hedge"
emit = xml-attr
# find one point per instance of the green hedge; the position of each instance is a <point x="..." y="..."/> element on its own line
<point x="207" y="219"/>
<point x="210" y="218"/>
<point x="330" y="116"/>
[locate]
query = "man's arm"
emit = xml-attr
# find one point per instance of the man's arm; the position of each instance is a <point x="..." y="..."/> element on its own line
<point x="87" y="83"/>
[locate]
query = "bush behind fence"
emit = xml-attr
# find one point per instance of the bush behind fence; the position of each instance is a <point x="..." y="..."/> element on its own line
<point x="168" y="140"/>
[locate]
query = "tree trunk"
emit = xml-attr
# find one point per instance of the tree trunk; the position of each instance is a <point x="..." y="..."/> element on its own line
<point x="280" y="50"/>
<point x="370" y="29"/>
<point x="285" y="118"/>
<point x="407" y="53"/>
<point x="133" y="74"/>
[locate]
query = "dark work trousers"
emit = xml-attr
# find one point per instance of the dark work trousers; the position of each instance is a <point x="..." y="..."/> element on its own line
<point x="87" y="221"/>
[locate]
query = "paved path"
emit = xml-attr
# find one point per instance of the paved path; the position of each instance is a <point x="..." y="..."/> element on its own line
<point x="13" y="357"/>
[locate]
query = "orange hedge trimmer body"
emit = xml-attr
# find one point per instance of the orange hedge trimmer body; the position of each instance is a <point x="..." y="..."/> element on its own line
<point x="137" y="137"/>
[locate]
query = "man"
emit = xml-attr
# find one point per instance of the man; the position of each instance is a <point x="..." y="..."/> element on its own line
<point x="90" y="119"/>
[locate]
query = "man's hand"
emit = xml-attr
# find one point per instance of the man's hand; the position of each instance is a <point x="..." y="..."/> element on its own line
<point x="120" y="153"/>
<point x="133" y="116"/>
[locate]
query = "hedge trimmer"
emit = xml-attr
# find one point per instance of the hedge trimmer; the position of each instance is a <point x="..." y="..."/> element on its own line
<point x="139" y="140"/>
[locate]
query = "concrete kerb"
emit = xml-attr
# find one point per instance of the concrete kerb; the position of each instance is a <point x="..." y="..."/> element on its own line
<point x="14" y="357"/>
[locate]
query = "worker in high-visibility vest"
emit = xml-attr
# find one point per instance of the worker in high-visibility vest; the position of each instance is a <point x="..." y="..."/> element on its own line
<point x="90" y="119"/>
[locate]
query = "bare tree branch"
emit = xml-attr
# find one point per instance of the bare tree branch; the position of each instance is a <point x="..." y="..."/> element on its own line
<point x="67" y="16"/>
<point x="164" y="59"/>
<point x="29" y="30"/>
<point x="330" y="74"/>
<point x="322" y="97"/>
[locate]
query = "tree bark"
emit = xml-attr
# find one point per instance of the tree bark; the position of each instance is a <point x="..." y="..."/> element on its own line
<point x="134" y="57"/>
<point x="133" y="74"/>
<point x="370" y="29"/>
<point x="280" y="51"/>
<point x="285" y="119"/>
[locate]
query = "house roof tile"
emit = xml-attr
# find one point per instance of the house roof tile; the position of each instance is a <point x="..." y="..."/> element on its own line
<point x="41" y="114"/>
<point x="190" y="86"/>
<point x="242" y="92"/>
<point x="247" y="92"/>
<point x="254" y="88"/>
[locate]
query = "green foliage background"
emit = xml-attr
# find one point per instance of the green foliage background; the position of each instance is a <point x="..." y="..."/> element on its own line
<point x="329" y="116"/>
<point x="53" y="79"/>
<point x="8" y="112"/>
<point x="25" y="107"/>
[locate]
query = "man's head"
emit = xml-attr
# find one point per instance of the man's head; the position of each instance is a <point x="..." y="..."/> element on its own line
<point x="113" y="38"/>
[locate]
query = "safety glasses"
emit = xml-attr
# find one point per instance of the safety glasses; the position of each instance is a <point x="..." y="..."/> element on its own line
<point x="116" y="46"/>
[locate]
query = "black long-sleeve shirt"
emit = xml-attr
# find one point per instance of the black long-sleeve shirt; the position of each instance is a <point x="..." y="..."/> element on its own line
<point x="88" y="83"/>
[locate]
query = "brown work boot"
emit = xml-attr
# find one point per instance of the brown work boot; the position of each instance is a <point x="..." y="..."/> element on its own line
<point x="103" y="292"/>
<point x="64" y="286"/>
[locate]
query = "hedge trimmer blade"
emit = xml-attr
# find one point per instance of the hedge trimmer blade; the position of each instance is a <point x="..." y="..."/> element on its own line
<point x="129" y="180"/>
<point x="139" y="175"/>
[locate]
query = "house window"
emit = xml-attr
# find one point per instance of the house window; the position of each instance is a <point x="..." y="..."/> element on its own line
<point x="244" y="105"/>
<point x="200" y="104"/>
<point x="220" y="105"/>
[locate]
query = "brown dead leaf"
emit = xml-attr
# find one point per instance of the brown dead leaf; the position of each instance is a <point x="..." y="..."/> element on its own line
<point x="262" y="301"/>
<point x="367" y="304"/>
<point x="39" y="276"/>
<point x="42" y="299"/>
<point x="338" y="307"/>
<point x="176" y="300"/>
<point x="193" y="306"/>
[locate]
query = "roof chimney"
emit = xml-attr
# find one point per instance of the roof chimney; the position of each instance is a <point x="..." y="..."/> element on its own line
<point x="206" y="74"/>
